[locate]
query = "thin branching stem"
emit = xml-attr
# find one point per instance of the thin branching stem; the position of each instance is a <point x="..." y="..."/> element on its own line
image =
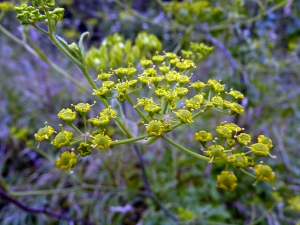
<point x="147" y="185"/>
<point x="35" y="210"/>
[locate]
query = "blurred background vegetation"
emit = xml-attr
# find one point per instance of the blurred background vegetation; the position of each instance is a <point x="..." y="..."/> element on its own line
<point x="256" y="52"/>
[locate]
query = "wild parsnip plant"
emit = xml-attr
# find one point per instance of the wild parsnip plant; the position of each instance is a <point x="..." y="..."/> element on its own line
<point x="175" y="100"/>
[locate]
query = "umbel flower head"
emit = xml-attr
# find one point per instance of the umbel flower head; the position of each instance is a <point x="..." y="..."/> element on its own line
<point x="194" y="102"/>
<point x="244" y="139"/>
<point x="102" y="142"/>
<point x="230" y="142"/>
<point x="67" y="115"/>
<point x="215" y="151"/>
<point x="203" y="136"/>
<point x="227" y="181"/>
<point x="260" y="150"/>
<point x="66" y="160"/>
<point x="62" y="139"/>
<point x="236" y="108"/>
<point x="264" y="140"/>
<point x="264" y="173"/>
<point x="233" y="127"/>
<point x="44" y="133"/>
<point x="238" y="160"/>
<point x="83" y="108"/>
<point x="224" y="131"/>
<point x="184" y="116"/>
<point x="236" y="94"/>
<point x="154" y="128"/>
<point x="100" y="121"/>
<point x="109" y="112"/>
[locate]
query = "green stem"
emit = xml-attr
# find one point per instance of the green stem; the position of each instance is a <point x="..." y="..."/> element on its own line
<point x="50" y="28"/>
<point x="123" y="127"/>
<point x="91" y="82"/>
<point x="129" y="140"/>
<point x="183" y="39"/>
<point x="200" y="112"/>
<point x="1" y="14"/>
<point x="75" y="128"/>
<point x="166" y="103"/>
<point x="209" y="96"/>
<point x="64" y="50"/>
<point x="70" y="190"/>
<point x="45" y="155"/>
<point x="3" y="184"/>
<point x="109" y="188"/>
<point x="151" y="140"/>
<point x="44" y="192"/>
<point x="93" y="85"/>
<point x="36" y="51"/>
<point x="88" y="77"/>
<point x="19" y="41"/>
<point x="227" y="166"/>
<point x="223" y="111"/>
<point x="194" y="116"/>
<point x="204" y="158"/>
<point x="40" y="29"/>
<point x="161" y="4"/>
<point x="248" y="174"/>
<point x="136" y="108"/>
<point x="77" y="160"/>
<point x="84" y="123"/>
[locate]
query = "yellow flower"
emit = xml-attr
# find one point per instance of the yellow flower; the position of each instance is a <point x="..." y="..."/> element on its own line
<point x="227" y="181"/>
<point x="66" y="160"/>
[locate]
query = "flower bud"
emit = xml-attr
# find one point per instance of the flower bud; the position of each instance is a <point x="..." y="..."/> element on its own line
<point x="238" y="160"/>
<point x="264" y="140"/>
<point x="244" y="139"/>
<point x="215" y="151"/>
<point x="67" y="115"/>
<point x="84" y="149"/>
<point x="99" y="122"/>
<point x="203" y="136"/>
<point x="224" y="131"/>
<point x="62" y="139"/>
<point x="83" y="107"/>
<point x="184" y="116"/>
<point x="227" y="181"/>
<point x="66" y="160"/>
<point x="44" y="133"/>
<point x="217" y="100"/>
<point x="236" y="108"/>
<point x="236" y="94"/>
<point x="102" y="142"/>
<point x="109" y="112"/>
<point x="260" y="149"/>
<point x="154" y="128"/>
<point x="264" y="173"/>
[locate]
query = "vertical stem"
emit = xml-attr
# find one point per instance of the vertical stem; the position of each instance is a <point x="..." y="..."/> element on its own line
<point x="50" y="28"/>
<point x="147" y="185"/>
<point x="136" y="108"/>
<point x="84" y="123"/>
<point x="64" y="50"/>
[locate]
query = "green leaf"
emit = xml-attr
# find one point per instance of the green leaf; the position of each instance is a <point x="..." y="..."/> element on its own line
<point x="80" y="43"/>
